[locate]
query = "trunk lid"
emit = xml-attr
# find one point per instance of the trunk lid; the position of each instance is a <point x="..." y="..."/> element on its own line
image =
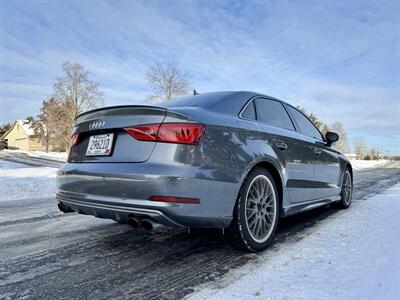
<point x="111" y="121"/>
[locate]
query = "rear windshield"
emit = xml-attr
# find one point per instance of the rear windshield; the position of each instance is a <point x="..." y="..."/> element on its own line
<point x="201" y="100"/>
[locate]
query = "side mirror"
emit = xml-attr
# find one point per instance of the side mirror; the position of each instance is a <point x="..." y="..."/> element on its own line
<point x="331" y="137"/>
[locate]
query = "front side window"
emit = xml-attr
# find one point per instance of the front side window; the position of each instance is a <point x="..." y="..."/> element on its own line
<point x="306" y="127"/>
<point x="273" y="113"/>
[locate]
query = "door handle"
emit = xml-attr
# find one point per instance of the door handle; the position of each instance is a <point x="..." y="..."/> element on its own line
<point x="317" y="151"/>
<point x="281" y="145"/>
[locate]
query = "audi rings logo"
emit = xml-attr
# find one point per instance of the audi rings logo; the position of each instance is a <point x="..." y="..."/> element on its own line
<point x="97" y="125"/>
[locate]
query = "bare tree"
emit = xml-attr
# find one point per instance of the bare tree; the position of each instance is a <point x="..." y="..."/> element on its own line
<point x="74" y="93"/>
<point x="167" y="81"/>
<point x="342" y="144"/>
<point x="77" y="89"/>
<point x="359" y="147"/>
<point x="325" y="128"/>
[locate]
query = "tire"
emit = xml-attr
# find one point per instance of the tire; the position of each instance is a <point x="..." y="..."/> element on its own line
<point x="346" y="193"/>
<point x="256" y="212"/>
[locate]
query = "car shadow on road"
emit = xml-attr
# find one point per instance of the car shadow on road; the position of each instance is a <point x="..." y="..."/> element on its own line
<point x="289" y="228"/>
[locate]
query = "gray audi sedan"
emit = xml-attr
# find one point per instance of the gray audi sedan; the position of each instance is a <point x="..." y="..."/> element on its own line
<point x="237" y="161"/>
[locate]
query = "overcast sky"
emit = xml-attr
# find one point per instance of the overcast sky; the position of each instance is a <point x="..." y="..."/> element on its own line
<point x="338" y="59"/>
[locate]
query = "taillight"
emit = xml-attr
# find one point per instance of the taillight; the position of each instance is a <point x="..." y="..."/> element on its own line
<point x="74" y="139"/>
<point x="179" y="133"/>
<point x="144" y="132"/>
<point x="172" y="199"/>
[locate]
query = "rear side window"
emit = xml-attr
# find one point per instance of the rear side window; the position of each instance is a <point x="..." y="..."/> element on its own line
<point x="273" y="113"/>
<point x="306" y="127"/>
<point x="250" y="111"/>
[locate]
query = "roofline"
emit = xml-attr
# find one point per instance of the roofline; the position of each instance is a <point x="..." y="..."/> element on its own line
<point x="251" y="96"/>
<point x="269" y="97"/>
<point x="12" y="127"/>
<point x="8" y="131"/>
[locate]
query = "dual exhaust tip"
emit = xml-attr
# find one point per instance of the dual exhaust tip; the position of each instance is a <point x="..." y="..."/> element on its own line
<point x="147" y="224"/>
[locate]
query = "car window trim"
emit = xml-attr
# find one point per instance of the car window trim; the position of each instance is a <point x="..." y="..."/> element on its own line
<point x="251" y="100"/>
<point x="297" y="128"/>
<point x="316" y="139"/>
<point x="240" y="115"/>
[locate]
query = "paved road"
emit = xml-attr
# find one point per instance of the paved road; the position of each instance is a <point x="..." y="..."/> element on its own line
<point x="44" y="254"/>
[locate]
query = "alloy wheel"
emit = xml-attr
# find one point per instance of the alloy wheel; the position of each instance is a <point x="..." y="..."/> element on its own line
<point x="261" y="208"/>
<point x="346" y="189"/>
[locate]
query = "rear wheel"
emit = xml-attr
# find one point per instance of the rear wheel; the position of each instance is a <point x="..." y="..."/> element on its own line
<point x="256" y="212"/>
<point x="347" y="190"/>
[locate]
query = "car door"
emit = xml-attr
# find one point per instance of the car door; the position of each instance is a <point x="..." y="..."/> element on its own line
<point x="326" y="160"/>
<point x="290" y="147"/>
<point x="327" y="172"/>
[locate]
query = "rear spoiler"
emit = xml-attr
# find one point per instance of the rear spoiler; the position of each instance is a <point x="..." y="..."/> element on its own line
<point x="117" y="110"/>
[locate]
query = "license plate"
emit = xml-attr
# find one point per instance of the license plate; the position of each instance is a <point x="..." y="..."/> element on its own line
<point x="100" y="145"/>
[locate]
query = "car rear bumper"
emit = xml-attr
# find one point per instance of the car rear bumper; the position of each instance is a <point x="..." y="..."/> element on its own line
<point x="118" y="212"/>
<point x="118" y="191"/>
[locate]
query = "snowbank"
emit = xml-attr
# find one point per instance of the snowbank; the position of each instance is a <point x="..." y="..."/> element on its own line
<point x="364" y="164"/>
<point x="59" y="156"/>
<point x="354" y="255"/>
<point x="18" y="181"/>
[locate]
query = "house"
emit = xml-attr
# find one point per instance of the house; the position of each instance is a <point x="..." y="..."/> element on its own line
<point x="22" y="136"/>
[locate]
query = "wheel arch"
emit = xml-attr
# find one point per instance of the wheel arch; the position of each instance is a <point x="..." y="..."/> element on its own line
<point x="348" y="165"/>
<point x="273" y="169"/>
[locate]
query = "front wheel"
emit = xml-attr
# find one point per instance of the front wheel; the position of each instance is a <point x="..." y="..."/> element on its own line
<point x="347" y="190"/>
<point x="256" y="212"/>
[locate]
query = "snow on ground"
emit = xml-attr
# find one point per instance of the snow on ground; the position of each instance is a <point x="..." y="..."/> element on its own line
<point x="354" y="255"/>
<point x="18" y="181"/>
<point x="59" y="156"/>
<point x="5" y="166"/>
<point x="363" y="164"/>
